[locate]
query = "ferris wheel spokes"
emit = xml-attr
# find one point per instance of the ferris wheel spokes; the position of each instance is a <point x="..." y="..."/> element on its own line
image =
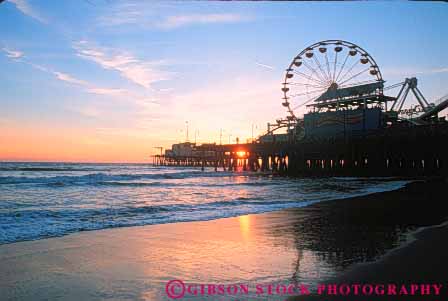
<point x="356" y="75"/>
<point x="343" y="65"/>
<point x="308" y="93"/>
<point x="349" y="70"/>
<point x="320" y="68"/>
<point x="314" y="71"/>
<point x="305" y="103"/>
<point x="326" y="66"/>
<point x="302" y="84"/>
<point x="309" y="77"/>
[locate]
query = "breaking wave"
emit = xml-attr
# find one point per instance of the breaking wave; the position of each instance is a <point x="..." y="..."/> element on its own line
<point x="47" y="199"/>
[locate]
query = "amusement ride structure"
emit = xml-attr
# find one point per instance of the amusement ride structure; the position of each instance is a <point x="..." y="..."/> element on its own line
<point x="333" y="86"/>
<point x="339" y="122"/>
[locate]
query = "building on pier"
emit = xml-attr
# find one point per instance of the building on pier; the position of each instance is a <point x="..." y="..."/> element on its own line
<point x="339" y="122"/>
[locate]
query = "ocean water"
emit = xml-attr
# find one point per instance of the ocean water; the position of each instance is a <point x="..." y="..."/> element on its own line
<point x="40" y="200"/>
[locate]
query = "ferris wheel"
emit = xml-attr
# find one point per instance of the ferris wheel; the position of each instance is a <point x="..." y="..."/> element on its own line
<point x="326" y="66"/>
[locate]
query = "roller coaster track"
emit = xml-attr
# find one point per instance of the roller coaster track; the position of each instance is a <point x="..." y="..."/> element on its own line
<point x="438" y="106"/>
<point x="429" y="109"/>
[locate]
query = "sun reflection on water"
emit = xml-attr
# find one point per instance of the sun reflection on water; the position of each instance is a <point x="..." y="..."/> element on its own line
<point x="244" y="221"/>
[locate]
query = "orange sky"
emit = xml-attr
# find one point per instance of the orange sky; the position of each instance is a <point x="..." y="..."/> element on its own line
<point x="27" y="144"/>
<point x="108" y="83"/>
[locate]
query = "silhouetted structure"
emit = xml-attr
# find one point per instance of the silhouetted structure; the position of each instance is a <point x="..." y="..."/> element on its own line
<point x="350" y="128"/>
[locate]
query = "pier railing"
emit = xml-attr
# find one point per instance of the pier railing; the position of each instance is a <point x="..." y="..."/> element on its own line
<point x="405" y="151"/>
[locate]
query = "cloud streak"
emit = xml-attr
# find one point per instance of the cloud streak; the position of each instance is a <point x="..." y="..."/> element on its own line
<point x="264" y="66"/>
<point x="142" y="101"/>
<point x="24" y="7"/>
<point x="13" y="54"/>
<point x="65" y="77"/>
<point x="163" y="15"/>
<point x="172" y="22"/>
<point x="438" y="70"/>
<point x="135" y="70"/>
<point x="107" y="91"/>
<point x="70" y="79"/>
<point x="407" y="72"/>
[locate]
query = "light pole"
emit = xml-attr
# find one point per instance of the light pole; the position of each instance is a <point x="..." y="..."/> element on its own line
<point x="196" y="133"/>
<point x="186" y="122"/>
<point x="252" y="141"/>
<point x="256" y="127"/>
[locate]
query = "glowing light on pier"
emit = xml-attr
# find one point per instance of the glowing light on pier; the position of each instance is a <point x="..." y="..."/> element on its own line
<point x="241" y="154"/>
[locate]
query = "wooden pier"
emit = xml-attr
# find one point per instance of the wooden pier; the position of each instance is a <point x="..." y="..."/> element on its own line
<point x="407" y="151"/>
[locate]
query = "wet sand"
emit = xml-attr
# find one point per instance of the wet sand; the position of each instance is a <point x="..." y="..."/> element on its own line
<point x="422" y="260"/>
<point x="303" y="245"/>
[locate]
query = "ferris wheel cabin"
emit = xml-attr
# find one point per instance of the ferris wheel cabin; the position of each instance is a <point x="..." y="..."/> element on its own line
<point x="335" y="87"/>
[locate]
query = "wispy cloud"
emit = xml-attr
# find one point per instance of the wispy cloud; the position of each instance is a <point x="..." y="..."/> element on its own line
<point x="143" y="102"/>
<point x="126" y="13"/>
<point x="163" y="15"/>
<point x="171" y="22"/>
<point x="62" y="76"/>
<point x="140" y="72"/>
<point x="403" y="72"/>
<point x="107" y="91"/>
<point x="13" y="54"/>
<point x="70" y="79"/>
<point x="438" y="70"/>
<point x="264" y="66"/>
<point x="28" y="10"/>
<point x="88" y="87"/>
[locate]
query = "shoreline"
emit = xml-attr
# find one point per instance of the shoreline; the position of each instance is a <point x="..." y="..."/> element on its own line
<point x="326" y="240"/>
<point x="399" y="267"/>
<point x="402" y="265"/>
<point x="297" y="205"/>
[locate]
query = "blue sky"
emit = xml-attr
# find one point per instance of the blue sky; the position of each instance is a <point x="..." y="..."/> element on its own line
<point x="105" y="71"/>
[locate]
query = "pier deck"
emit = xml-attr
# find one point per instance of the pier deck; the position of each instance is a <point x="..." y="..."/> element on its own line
<point x="407" y="151"/>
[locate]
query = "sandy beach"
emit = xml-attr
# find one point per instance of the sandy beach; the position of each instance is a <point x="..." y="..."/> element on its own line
<point x="311" y="245"/>
<point x="223" y="150"/>
<point x="421" y="260"/>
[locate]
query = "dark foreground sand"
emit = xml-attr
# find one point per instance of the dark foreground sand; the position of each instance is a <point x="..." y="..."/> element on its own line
<point x="304" y="245"/>
<point x="422" y="261"/>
